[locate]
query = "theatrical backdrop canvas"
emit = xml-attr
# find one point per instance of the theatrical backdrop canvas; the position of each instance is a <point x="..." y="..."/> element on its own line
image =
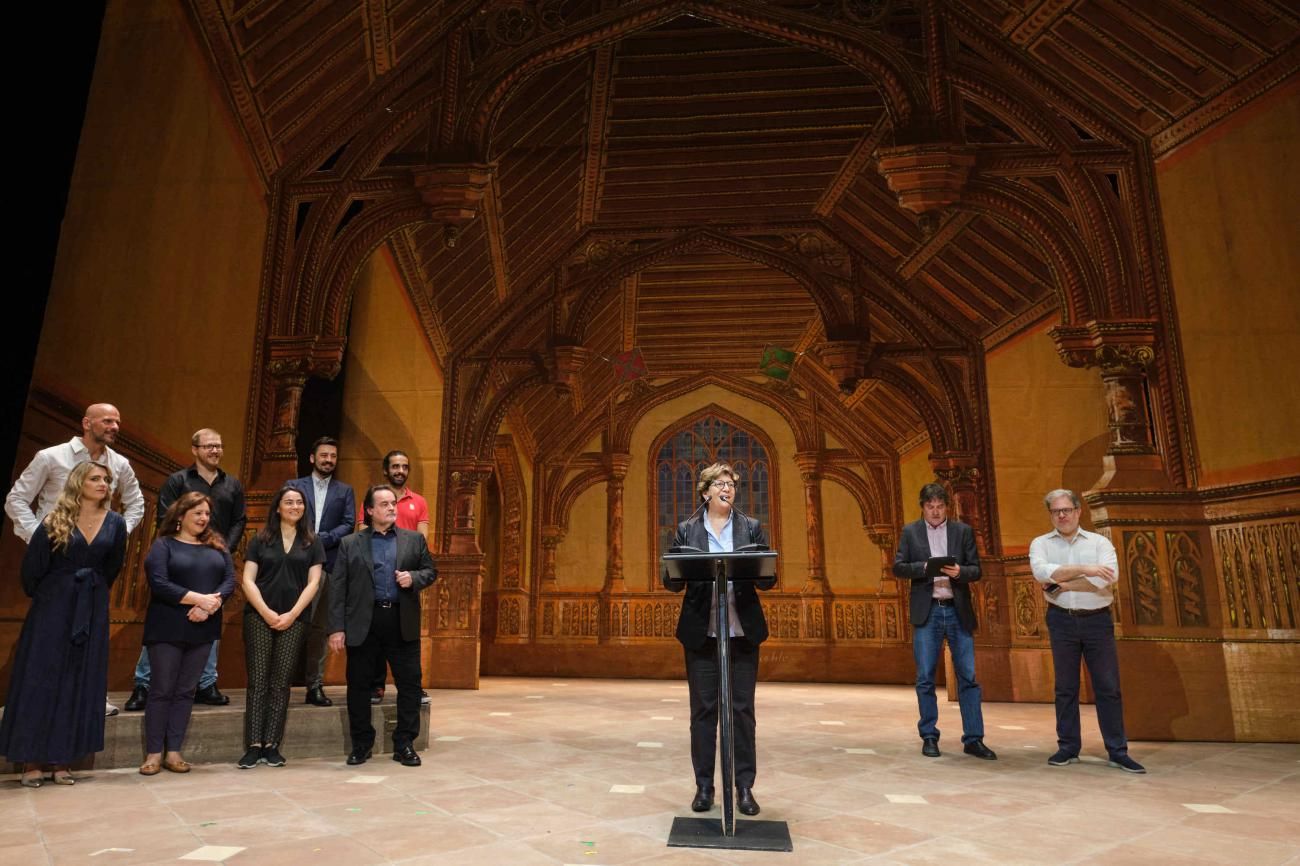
<point x="565" y="254"/>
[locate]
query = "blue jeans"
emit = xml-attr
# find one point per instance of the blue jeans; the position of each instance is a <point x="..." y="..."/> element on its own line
<point x="927" y="648"/>
<point x="206" y="679"/>
<point x="1092" y="639"/>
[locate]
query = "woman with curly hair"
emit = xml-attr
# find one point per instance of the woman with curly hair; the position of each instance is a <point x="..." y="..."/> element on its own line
<point x="190" y="576"/>
<point x="54" y="713"/>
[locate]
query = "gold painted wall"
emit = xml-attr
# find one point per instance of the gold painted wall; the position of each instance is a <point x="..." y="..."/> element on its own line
<point x="914" y="472"/>
<point x="852" y="559"/>
<point x="393" y="387"/>
<point x="637" y="521"/>
<point x="580" y="558"/>
<point x="1048" y="424"/>
<point x="166" y="211"/>
<point x="1230" y="211"/>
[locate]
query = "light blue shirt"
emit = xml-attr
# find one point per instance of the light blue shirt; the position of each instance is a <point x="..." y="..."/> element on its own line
<point x="721" y="542"/>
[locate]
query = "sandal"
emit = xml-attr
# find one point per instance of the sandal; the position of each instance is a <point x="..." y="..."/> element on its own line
<point x="177" y="766"/>
<point x="150" y="768"/>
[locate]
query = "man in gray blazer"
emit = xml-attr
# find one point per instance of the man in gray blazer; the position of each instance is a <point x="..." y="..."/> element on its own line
<point x="941" y="610"/>
<point x="374" y="612"/>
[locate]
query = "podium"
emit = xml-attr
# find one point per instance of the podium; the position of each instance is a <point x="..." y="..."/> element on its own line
<point x="692" y="566"/>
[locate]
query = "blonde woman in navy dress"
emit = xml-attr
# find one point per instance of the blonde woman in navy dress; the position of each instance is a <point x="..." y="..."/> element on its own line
<point x="54" y="712"/>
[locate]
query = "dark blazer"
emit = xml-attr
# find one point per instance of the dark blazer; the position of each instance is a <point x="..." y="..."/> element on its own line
<point x="352" y="588"/>
<point x="909" y="563"/>
<point x="693" y="624"/>
<point x="337" y="519"/>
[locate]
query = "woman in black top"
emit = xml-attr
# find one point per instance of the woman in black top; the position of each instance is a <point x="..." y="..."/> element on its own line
<point x="282" y="572"/>
<point x="190" y="576"/>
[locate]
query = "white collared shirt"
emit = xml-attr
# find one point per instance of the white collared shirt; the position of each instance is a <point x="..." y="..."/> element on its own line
<point x="321" y="487"/>
<point x="43" y="479"/>
<point x="1049" y="552"/>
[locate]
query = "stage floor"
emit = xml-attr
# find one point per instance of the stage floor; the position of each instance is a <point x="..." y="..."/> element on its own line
<point x="537" y="771"/>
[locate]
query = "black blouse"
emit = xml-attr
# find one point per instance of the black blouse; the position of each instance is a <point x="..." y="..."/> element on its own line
<point x="281" y="577"/>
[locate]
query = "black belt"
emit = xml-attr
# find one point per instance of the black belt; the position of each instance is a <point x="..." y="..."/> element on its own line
<point x="385" y="604"/>
<point x="942" y="602"/>
<point x="1083" y="611"/>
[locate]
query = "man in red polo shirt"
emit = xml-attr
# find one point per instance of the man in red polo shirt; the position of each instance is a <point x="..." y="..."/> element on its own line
<point x="413" y="514"/>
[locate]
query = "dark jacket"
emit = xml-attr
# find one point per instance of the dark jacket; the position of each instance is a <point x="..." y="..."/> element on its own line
<point x="693" y="624"/>
<point x="336" y="522"/>
<point x="909" y="564"/>
<point x="352" y="589"/>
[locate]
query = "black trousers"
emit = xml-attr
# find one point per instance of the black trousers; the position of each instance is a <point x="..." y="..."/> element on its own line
<point x="384" y="643"/>
<point x="270" y="656"/>
<point x="1092" y="639"/>
<point x="702" y="675"/>
<point x="316" y="645"/>
<point x="175" y="675"/>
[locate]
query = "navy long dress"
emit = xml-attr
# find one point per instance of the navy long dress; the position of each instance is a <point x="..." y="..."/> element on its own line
<point x="54" y="713"/>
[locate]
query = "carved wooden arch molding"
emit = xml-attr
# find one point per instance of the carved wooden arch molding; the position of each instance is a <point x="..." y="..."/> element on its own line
<point x="1099" y="223"/>
<point x="685" y="422"/>
<point x="626" y="422"/>
<point x="864" y="492"/>
<point x="596" y="286"/>
<point x="868" y="53"/>
<point x="556" y="511"/>
<point x="1029" y="212"/>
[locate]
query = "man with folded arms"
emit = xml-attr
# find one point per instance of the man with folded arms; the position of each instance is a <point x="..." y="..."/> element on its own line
<point x="1078" y="570"/>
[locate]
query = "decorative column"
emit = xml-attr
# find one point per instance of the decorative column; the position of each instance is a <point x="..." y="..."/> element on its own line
<point x="617" y="465"/>
<point x="551" y="537"/>
<point x="960" y="473"/>
<point x="809" y="463"/>
<point x="1123" y="352"/>
<point x="467" y="474"/>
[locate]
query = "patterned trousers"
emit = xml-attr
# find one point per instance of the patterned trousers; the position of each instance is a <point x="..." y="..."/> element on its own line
<point x="271" y="656"/>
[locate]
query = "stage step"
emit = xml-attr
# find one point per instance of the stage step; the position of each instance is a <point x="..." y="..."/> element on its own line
<point x="216" y="734"/>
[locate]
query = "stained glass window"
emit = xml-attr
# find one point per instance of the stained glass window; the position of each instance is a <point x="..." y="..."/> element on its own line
<point x="704" y="441"/>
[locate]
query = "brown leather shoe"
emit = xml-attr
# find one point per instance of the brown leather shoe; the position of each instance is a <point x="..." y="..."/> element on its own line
<point x="178" y="766"/>
<point x="150" y="768"/>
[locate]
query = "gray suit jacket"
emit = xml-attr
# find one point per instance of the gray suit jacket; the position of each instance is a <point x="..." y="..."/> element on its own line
<point x="352" y="588"/>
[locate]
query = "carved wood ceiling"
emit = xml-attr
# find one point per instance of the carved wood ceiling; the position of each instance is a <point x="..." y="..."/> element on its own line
<point x="688" y="123"/>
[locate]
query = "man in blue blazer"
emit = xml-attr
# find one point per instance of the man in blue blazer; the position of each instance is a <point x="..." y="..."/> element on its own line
<point x="331" y="510"/>
<point x="941" y="610"/>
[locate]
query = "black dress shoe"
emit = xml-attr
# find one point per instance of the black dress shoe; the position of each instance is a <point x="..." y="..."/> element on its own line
<point x="211" y="696"/>
<point x="316" y="695"/>
<point x="930" y="747"/>
<point x="406" y="756"/>
<point x="703" y="801"/>
<point x="139" y="697"/>
<point x="979" y="750"/>
<point x="745" y="801"/>
<point x="359" y="756"/>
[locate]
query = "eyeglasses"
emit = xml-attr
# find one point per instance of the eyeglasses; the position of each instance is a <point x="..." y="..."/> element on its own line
<point x="211" y="447"/>
<point x="1062" y="512"/>
<point x="723" y="484"/>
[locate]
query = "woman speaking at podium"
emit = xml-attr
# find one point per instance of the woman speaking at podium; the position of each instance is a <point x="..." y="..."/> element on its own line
<point x="718" y="527"/>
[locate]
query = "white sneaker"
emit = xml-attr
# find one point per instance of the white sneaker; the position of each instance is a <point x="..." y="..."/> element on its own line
<point x="109" y="709"/>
